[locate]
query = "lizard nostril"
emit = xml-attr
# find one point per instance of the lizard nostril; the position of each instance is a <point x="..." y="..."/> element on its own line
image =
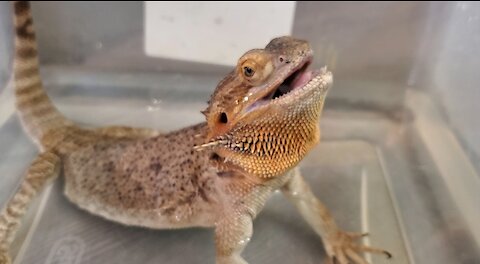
<point x="282" y="59"/>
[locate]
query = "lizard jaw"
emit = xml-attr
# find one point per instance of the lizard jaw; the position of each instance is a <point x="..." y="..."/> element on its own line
<point x="296" y="80"/>
<point x="299" y="84"/>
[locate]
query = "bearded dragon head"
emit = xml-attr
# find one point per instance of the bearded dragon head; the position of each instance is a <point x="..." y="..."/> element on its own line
<point x="264" y="116"/>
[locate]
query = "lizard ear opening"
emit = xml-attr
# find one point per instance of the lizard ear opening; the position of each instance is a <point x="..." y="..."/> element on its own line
<point x="215" y="157"/>
<point x="223" y="118"/>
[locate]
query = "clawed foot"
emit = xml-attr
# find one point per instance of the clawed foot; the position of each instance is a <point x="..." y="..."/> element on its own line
<point x="343" y="249"/>
<point x="4" y="258"/>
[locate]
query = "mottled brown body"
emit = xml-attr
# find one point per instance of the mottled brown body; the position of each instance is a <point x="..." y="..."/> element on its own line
<point x="158" y="182"/>
<point x="261" y="121"/>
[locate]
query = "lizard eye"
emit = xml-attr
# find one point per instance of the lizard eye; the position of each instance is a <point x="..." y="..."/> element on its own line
<point x="255" y="70"/>
<point x="248" y="71"/>
<point x="248" y="68"/>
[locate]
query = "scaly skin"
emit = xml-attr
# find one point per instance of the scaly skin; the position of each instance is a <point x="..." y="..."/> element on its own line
<point x="215" y="174"/>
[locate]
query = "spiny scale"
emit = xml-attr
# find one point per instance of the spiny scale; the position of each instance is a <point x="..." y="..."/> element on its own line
<point x="277" y="142"/>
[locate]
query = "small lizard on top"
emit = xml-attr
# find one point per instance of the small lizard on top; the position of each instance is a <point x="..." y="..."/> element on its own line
<point x="261" y="121"/>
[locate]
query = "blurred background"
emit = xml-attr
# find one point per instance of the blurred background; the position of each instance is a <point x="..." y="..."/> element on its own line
<point x="400" y="151"/>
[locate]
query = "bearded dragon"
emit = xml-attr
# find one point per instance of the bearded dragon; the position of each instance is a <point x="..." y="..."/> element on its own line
<point x="261" y="120"/>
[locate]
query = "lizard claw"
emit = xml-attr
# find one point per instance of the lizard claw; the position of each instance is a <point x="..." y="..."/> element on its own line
<point x="356" y="235"/>
<point x="4" y="258"/>
<point x="343" y="249"/>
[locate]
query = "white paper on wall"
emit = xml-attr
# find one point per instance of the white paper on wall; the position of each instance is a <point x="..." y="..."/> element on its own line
<point x="213" y="32"/>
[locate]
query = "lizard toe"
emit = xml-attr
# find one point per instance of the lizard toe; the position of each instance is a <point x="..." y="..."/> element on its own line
<point x="4" y="257"/>
<point x="345" y="250"/>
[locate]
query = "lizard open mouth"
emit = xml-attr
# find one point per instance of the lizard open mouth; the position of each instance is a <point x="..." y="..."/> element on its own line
<point x="298" y="79"/>
<point x="297" y="84"/>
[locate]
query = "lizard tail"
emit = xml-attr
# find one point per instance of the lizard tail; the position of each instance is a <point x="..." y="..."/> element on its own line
<point x="37" y="113"/>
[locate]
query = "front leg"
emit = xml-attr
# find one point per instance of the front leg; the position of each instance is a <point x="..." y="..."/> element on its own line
<point x="232" y="234"/>
<point x="339" y="245"/>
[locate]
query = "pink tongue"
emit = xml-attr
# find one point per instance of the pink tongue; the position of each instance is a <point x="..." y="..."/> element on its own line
<point x="302" y="79"/>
